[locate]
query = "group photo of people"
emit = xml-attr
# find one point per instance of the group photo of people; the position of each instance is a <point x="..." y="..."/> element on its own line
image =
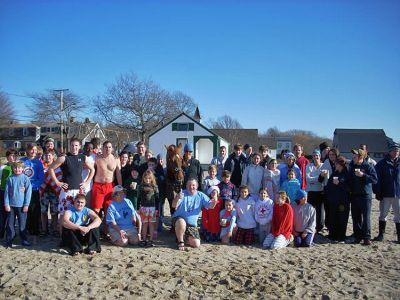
<point x="93" y="195"/>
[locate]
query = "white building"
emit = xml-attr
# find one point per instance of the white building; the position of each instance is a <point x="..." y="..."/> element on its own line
<point x="184" y="129"/>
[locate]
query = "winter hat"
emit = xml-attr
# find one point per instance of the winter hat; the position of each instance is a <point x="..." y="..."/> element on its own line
<point x="301" y="194"/>
<point x="323" y="146"/>
<point x="316" y="151"/>
<point x="394" y="147"/>
<point x="213" y="188"/>
<point x="188" y="148"/>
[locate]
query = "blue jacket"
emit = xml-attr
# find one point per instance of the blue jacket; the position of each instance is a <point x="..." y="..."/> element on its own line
<point x="388" y="172"/>
<point x="362" y="185"/>
<point x="236" y="166"/>
<point x="284" y="168"/>
<point x="35" y="171"/>
<point x="337" y="194"/>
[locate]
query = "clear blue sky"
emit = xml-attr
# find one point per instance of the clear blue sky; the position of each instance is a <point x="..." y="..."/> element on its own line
<point x="313" y="65"/>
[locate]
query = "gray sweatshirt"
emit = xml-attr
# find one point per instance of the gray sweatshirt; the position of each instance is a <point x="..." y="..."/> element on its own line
<point x="304" y="218"/>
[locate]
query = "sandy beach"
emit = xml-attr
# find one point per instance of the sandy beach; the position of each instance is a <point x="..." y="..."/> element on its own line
<point x="325" y="271"/>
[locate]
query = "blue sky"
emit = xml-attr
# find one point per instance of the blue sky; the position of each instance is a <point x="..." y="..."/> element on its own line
<point x="313" y="65"/>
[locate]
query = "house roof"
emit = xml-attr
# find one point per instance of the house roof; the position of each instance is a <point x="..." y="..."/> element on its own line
<point x="186" y="115"/>
<point x="347" y="139"/>
<point x="18" y="125"/>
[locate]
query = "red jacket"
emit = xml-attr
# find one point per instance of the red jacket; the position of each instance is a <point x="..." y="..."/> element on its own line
<point x="282" y="220"/>
<point x="210" y="218"/>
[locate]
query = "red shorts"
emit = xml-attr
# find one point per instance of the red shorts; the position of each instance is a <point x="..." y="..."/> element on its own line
<point x="102" y="195"/>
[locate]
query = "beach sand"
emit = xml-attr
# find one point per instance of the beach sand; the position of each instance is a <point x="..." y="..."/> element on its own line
<point x="325" y="271"/>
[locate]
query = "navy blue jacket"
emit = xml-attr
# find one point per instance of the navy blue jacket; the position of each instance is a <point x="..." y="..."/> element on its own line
<point x="338" y="193"/>
<point x="236" y="166"/>
<point x="388" y="172"/>
<point x="362" y="185"/>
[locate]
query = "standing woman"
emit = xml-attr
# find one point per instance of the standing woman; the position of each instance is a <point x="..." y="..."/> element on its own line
<point x="125" y="166"/>
<point x="314" y="187"/>
<point x="328" y="167"/>
<point x="337" y="193"/>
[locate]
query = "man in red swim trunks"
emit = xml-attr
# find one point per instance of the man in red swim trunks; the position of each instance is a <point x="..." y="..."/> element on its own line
<point x="106" y="165"/>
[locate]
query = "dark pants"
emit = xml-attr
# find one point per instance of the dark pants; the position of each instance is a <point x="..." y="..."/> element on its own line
<point x="361" y="215"/>
<point x="316" y="199"/>
<point x="16" y="212"/>
<point x="161" y="210"/>
<point x="304" y="242"/>
<point x="3" y="215"/>
<point x="34" y="214"/>
<point x="338" y="215"/>
<point x="74" y="240"/>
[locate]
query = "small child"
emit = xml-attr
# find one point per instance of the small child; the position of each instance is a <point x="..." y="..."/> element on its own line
<point x="148" y="202"/>
<point x="227" y="188"/>
<point x="263" y="215"/>
<point x="132" y="186"/>
<point x="245" y="209"/>
<point x="211" y="179"/>
<point x="227" y="219"/>
<point x="210" y="217"/>
<point x="49" y="194"/>
<point x="304" y="221"/>
<point x="5" y="172"/>
<point x="272" y="177"/>
<point x="282" y="223"/>
<point x="17" y="196"/>
<point x="291" y="186"/>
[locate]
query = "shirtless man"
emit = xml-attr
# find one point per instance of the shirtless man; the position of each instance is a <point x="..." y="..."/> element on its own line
<point x="106" y="164"/>
<point x="71" y="183"/>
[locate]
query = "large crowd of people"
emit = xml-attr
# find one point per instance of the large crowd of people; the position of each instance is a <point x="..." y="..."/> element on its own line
<point x="247" y="197"/>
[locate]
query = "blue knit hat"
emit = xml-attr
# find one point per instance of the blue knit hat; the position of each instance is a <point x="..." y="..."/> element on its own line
<point x="188" y="148"/>
<point x="301" y="194"/>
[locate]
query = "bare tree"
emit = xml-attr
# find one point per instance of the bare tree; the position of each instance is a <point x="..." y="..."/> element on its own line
<point x="7" y="111"/>
<point x="46" y="108"/>
<point x="142" y="105"/>
<point x="225" y="122"/>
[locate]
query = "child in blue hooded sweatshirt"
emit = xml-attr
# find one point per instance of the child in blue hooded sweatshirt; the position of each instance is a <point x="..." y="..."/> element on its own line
<point x="291" y="186"/>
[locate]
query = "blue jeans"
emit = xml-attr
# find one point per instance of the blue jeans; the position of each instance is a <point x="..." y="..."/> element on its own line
<point x="304" y="242"/>
<point x="361" y="215"/>
<point x="16" y="212"/>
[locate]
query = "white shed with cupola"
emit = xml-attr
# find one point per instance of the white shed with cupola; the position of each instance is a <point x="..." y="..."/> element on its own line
<point x="184" y="129"/>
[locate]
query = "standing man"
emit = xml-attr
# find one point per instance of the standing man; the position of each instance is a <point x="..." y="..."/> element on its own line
<point x="367" y="158"/>
<point x="265" y="158"/>
<point x="248" y="152"/>
<point x="71" y="183"/>
<point x="140" y="157"/>
<point x="106" y="164"/>
<point x="35" y="171"/>
<point x="219" y="161"/>
<point x="191" y="166"/>
<point x="302" y="162"/>
<point x="236" y="164"/>
<point x="188" y="205"/>
<point x="387" y="189"/>
<point x="362" y="176"/>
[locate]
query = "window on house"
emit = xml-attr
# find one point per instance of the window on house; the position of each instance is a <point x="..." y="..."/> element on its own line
<point x="11" y="131"/>
<point x="25" y="131"/>
<point x="182" y="126"/>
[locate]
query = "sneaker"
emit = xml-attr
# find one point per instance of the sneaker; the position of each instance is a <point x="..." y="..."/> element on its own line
<point x="356" y="241"/>
<point x="25" y="243"/>
<point x="8" y="245"/>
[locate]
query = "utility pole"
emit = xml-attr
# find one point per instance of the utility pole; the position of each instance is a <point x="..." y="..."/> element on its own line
<point x="62" y="116"/>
